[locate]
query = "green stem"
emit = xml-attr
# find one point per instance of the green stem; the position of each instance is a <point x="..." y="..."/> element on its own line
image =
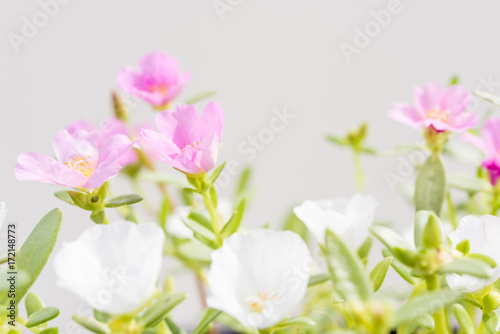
<point x="480" y="328"/>
<point x="494" y="205"/>
<point x="358" y="170"/>
<point x="451" y="210"/>
<point x="213" y="216"/>
<point x="439" y="317"/>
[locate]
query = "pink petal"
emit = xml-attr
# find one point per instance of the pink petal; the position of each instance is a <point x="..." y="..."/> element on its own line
<point x="127" y="78"/>
<point x="158" y="68"/>
<point x="34" y="166"/>
<point x="463" y="121"/>
<point x="212" y="118"/>
<point x="159" y="143"/>
<point x="105" y="170"/>
<point x="118" y="143"/>
<point x="429" y="96"/>
<point x="79" y="143"/>
<point x="182" y="126"/>
<point x="406" y="114"/>
<point x="455" y="99"/>
<point x="491" y="135"/>
<point x="80" y="125"/>
<point x="188" y="161"/>
<point x="208" y="150"/>
<point x="477" y="141"/>
<point x="174" y="90"/>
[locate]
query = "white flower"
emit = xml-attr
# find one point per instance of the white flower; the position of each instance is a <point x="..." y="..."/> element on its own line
<point x="3" y="213"/>
<point x="484" y="237"/>
<point x="114" y="267"/>
<point x="259" y="277"/>
<point x="348" y="218"/>
<point x="176" y="227"/>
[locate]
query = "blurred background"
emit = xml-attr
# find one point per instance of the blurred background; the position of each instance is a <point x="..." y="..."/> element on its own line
<point x="328" y="65"/>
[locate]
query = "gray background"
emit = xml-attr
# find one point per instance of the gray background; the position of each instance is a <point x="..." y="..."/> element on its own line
<point x="263" y="55"/>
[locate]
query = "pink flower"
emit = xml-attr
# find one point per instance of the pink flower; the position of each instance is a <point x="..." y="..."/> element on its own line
<point x="188" y="142"/>
<point x="112" y="127"/>
<point x="489" y="143"/>
<point x="441" y="108"/>
<point x="157" y="81"/>
<point x="85" y="158"/>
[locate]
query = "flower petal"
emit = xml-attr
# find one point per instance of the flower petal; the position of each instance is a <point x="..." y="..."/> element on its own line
<point x="212" y="118"/>
<point x="182" y="125"/>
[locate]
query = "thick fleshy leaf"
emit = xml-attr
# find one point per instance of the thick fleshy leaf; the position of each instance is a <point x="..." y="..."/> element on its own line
<point x="488" y="97"/>
<point x="468" y="182"/>
<point x="92" y="325"/>
<point x="318" y="279"/>
<point x="215" y="174"/>
<point x="33" y="303"/>
<point x="157" y="311"/>
<point x="36" y="250"/>
<point x="42" y="316"/>
<point x="209" y="316"/>
<point x="389" y="238"/>
<point x="64" y="196"/>
<point x="431" y="185"/>
<point x="463" y="318"/>
<point x="297" y="321"/>
<point x="491" y="322"/>
<point x="346" y="270"/>
<point x="123" y="200"/>
<point x="425" y="304"/>
<point x="403" y="270"/>
<point x="468" y="266"/>
<point x="377" y="275"/>
<point x="234" y="223"/>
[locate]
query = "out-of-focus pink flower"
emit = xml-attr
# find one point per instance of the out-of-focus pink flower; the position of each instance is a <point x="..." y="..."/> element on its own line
<point x="112" y="127"/>
<point x="489" y="143"/>
<point x="436" y="106"/>
<point x="85" y="158"/>
<point x="157" y="80"/>
<point x="188" y="142"/>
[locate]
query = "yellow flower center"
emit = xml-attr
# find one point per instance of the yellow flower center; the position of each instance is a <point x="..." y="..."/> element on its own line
<point x="160" y="88"/>
<point x="194" y="145"/>
<point x="258" y="303"/>
<point x="83" y="165"/>
<point x="442" y="115"/>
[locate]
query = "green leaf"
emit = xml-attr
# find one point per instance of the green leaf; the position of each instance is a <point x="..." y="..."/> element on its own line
<point x="33" y="303"/>
<point x="425" y="321"/>
<point x="294" y="224"/>
<point x="198" y="228"/>
<point x="403" y="270"/>
<point x="364" y="249"/>
<point x="36" y="250"/>
<point x="318" y="279"/>
<point x="200" y="96"/>
<point x="64" y="196"/>
<point x="454" y="81"/>
<point x="215" y="174"/>
<point x="406" y="256"/>
<point x="463" y="246"/>
<point x="173" y="327"/>
<point x="467" y="266"/>
<point x="209" y="316"/>
<point x="123" y="200"/>
<point x="425" y="304"/>
<point x="213" y="196"/>
<point x="194" y="250"/>
<point x="431" y="236"/>
<point x="234" y="223"/>
<point x="42" y="316"/>
<point x="491" y="322"/>
<point x="485" y="258"/>
<point x="389" y="238"/>
<point x="101" y="316"/>
<point x="431" y="185"/>
<point x="377" y="275"/>
<point x="346" y="270"/>
<point x="297" y="321"/>
<point x="463" y="319"/>
<point x="51" y="330"/>
<point x="488" y="97"/>
<point x="81" y="200"/>
<point x="468" y="182"/>
<point x="157" y="311"/>
<point x="337" y="140"/>
<point x="91" y="325"/>
<point x="201" y="219"/>
<point x="243" y="181"/>
<point x="98" y="216"/>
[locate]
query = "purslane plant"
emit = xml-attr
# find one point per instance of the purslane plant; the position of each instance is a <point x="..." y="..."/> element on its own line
<point x="321" y="275"/>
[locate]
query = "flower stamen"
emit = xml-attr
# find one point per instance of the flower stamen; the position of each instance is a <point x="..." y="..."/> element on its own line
<point x="83" y="165"/>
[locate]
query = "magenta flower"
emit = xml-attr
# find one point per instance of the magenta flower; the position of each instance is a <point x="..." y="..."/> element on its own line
<point x="85" y="158"/>
<point x="157" y="81"/>
<point x="188" y="142"/>
<point x="489" y="143"/>
<point x="441" y="108"/>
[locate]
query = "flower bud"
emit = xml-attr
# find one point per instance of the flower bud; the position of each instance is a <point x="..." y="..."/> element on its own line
<point x="491" y="301"/>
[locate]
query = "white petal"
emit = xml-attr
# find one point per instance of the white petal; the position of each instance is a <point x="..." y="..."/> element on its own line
<point x="276" y="264"/>
<point x="113" y="267"/>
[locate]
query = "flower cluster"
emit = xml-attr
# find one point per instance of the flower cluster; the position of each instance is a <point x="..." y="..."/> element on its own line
<point x="316" y="275"/>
